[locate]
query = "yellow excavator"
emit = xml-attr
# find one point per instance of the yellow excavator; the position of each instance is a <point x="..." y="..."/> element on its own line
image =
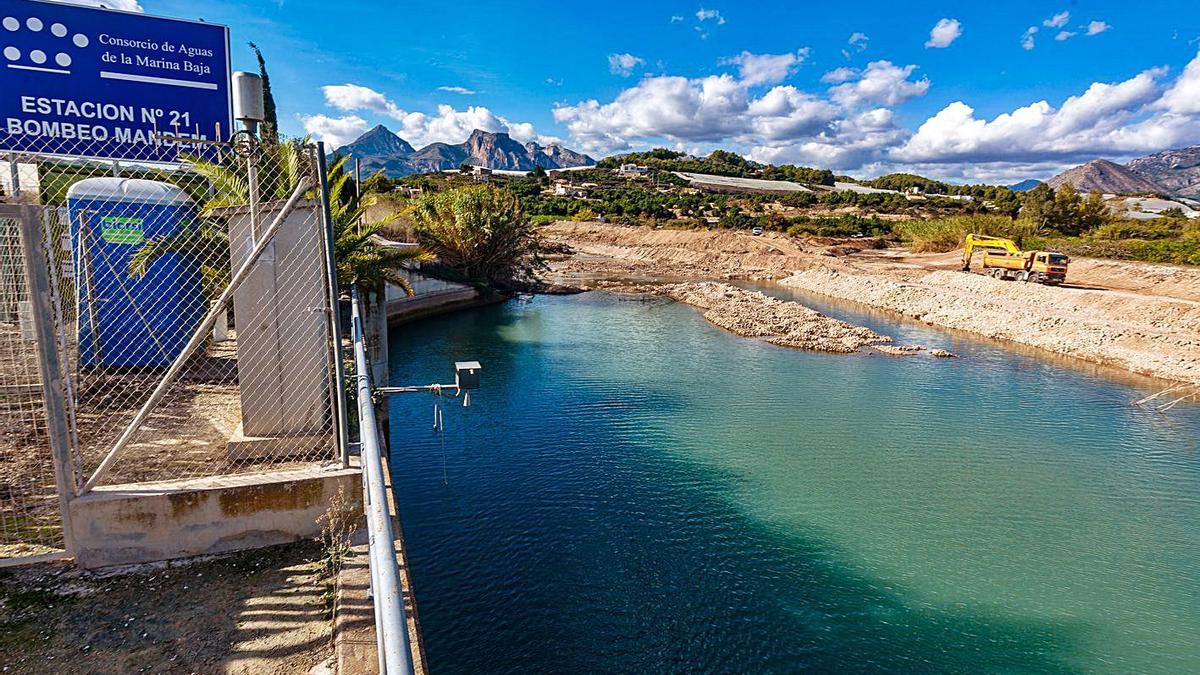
<point x="1003" y="259"/>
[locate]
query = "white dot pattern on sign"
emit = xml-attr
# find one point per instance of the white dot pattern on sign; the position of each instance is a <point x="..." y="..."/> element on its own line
<point x="10" y="23"/>
<point x="37" y="56"/>
<point x="12" y="53"/>
<point x="80" y="40"/>
<point x="34" y="23"/>
<point x="62" y="59"/>
<point x="58" y="30"/>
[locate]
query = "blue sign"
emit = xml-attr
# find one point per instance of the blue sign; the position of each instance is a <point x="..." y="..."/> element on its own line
<point x="88" y="82"/>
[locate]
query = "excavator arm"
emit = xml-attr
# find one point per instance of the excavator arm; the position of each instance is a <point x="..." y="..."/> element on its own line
<point x="975" y="241"/>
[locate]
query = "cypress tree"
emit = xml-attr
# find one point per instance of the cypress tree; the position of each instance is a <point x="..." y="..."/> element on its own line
<point x="270" y="127"/>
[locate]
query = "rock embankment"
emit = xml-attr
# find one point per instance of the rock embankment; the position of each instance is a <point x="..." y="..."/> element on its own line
<point x="1144" y="334"/>
<point x="753" y="314"/>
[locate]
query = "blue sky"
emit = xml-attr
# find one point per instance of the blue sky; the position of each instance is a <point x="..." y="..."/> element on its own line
<point x="862" y="88"/>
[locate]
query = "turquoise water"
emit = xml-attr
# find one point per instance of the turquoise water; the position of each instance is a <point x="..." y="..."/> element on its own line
<point x="634" y="490"/>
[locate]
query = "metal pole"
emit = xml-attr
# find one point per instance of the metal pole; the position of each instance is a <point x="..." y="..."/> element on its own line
<point x="15" y="172"/>
<point x="56" y="303"/>
<point x="51" y="370"/>
<point x="198" y="336"/>
<point x="252" y="194"/>
<point x="335" y="327"/>
<point x="387" y="592"/>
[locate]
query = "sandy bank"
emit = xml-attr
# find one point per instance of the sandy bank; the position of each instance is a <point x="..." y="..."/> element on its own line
<point x="1138" y="316"/>
<point x="783" y="323"/>
<point x="1144" y="334"/>
<point x="788" y="324"/>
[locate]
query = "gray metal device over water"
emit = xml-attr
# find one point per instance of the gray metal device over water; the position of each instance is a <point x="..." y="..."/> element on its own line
<point x="466" y="375"/>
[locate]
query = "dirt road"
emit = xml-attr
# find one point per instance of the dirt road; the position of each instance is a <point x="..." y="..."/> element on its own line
<point x="1141" y="317"/>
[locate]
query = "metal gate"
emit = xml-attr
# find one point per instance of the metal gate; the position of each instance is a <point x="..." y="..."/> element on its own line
<point x="36" y="476"/>
<point x="163" y="323"/>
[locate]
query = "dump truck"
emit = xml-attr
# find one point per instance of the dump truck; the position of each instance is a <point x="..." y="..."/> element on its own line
<point x="1003" y="259"/>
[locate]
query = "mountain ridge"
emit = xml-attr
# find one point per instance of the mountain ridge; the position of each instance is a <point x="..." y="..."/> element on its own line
<point x="1101" y="175"/>
<point x="1174" y="172"/>
<point x="1177" y="170"/>
<point x="380" y="149"/>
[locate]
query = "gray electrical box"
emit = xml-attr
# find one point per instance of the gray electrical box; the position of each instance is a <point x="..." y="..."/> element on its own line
<point x="282" y="330"/>
<point x="466" y="375"/>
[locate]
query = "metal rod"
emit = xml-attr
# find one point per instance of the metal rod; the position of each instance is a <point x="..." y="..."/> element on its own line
<point x="387" y="592"/>
<point x="252" y="183"/>
<point x="335" y="326"/>
<point x="198" y="336"/>
<point x="414" y="390"/>
<point x="51" y="370"/>
<point x="380" y="652"/>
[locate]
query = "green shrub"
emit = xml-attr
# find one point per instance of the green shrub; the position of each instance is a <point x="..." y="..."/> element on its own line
<point x="1185" y="251"/>
<point x="838" y="226"/>
<point x="1159" y="228"/>
<point x="947" y="234"/>
<point x="478" y="232"/>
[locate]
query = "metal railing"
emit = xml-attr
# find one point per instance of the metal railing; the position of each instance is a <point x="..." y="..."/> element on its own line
<point x="391" y="627"/>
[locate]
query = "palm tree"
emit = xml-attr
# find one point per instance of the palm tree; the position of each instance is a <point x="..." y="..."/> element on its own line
<point x="360" y="256"/>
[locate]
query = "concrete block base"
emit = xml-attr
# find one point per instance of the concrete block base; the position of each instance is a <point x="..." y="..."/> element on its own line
<point x="243" y="448"/>
<point x="144" y="522"/>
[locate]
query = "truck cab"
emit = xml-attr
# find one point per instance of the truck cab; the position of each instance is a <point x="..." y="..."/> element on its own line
<point x="1050" y="267"/>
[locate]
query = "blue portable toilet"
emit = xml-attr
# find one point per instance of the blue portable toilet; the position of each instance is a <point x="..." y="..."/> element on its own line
<point x="126" y="320"/>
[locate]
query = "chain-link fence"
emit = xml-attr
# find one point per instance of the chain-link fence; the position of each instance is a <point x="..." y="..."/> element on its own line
<point x="29" y="500"/>
<point x="191" y="309"/>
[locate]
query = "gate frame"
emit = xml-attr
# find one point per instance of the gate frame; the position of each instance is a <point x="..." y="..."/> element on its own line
<point x="44" y="316"/>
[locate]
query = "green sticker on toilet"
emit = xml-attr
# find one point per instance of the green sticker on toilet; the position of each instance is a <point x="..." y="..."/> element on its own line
<point x="121" y="230"/>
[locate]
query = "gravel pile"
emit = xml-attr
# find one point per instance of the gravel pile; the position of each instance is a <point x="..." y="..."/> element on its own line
<point x="753" y="314"/>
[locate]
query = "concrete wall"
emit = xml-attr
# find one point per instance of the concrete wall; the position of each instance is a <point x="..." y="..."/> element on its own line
<point x="124" y="524"/>
<point x="431" y="296"/>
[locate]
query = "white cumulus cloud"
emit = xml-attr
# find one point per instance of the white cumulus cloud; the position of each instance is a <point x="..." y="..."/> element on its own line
<point x="1133" y="116"/>
<point x="858" y="41"/>
<point x="623" y="64"/>
<point x="882" y="82"/>
<point x="458" y="90"/>
<point x="357" y="97"/>
<point x="1064" y="35"/>
<point x="943" y="33"/>
<point x="335" y="131"/>
<point x="1027" y="41"/>
<point x="783" y="124"/>
<point x="1097" y="27"/>
<point x="710" y="15"/>
<point x="839" y="75"/>
<point x="766" y="68"/>
<point x="1058" y="20"/>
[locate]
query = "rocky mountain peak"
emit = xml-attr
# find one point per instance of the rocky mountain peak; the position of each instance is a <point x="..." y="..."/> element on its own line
<point x="1177" y="171"/>
<point x="380" y="149"/>
<point x="1101" y="175"/>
